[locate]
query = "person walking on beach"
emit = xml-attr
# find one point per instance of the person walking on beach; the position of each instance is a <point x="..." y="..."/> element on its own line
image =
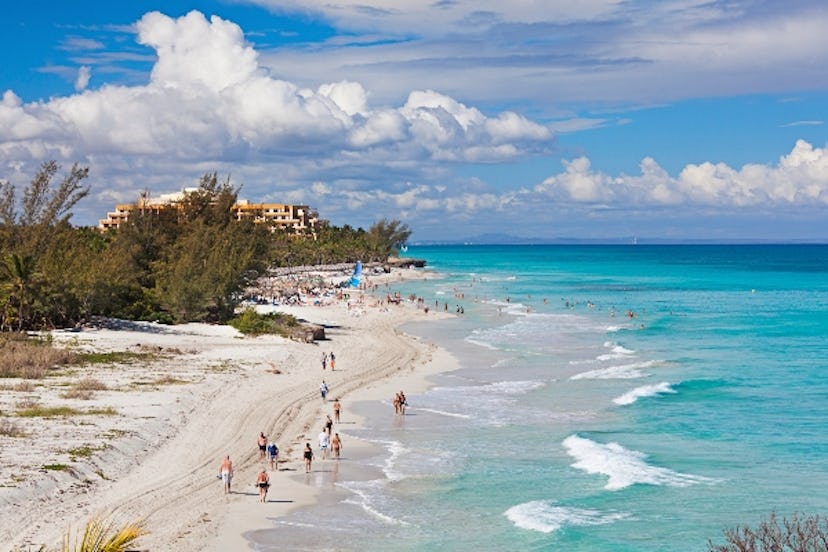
<point x="333" y="361"/>
<point x="324" y="360"/>
<point x="263" y="483"/>
<point x="324" y="441"/>
<point x="399" y="403"/>
<point x="323" y="390"/>
<point x="328" y="424"/>
<point x="308" y="454"/>
<point x="336" y="445"/>
<point x="273" y="455"/>
<point x="226" y="473"/>
<point x="337" y="407"/>
<point x="262" y="443"/>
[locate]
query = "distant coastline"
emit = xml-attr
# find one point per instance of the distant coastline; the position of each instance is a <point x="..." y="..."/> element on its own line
<point x="517" y="240"/>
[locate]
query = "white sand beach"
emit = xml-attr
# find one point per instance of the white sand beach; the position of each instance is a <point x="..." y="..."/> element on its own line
<point x="151" y="446"/>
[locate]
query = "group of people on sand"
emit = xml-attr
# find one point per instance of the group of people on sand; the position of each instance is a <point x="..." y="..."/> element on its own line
<point x="330" y="446"/>
<point x="400" y="403"/>
<point x="329" y="359"/>
<point x="330" y="443"/>
<point x="226" y="476"/>
<point x="268" y="453"/>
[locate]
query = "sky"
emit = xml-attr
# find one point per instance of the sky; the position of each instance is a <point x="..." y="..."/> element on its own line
<point x="596" y="119"/>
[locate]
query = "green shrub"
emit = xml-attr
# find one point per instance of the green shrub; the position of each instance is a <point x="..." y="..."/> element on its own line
<point x="251" y="322"/>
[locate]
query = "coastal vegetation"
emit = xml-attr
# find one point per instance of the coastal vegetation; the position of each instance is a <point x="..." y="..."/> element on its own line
<point x="798" y="534"/>
<point x="101" y="534"/>
<point x="249" y="322"/>
<point x="179" y="265"/>
<point x="31" y="358"/>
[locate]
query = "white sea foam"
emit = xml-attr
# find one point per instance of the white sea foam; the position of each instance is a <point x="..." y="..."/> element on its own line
<point x="363" y="497"/>
<point x="496" y="403"/>
<point x="543" y="516"/>
<point x="644" y="391"/>
<point x="443" y="413"/>
<point x="396" y="450"/>
<point x="506" y="387"/>
<point x="502" y="362"/>
<point x="298" y="524"/>
<point x="624" y="467"/>
<point x="516" y="309"/>
<point x="519" y="387"/>
<point x="480" y="343"/>
<point x="621" y="371"/>
<point x="616" y="351"/>
<point x="402" y="462"/>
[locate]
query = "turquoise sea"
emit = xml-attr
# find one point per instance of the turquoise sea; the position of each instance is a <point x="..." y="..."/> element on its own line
<point x="611" y="398"/>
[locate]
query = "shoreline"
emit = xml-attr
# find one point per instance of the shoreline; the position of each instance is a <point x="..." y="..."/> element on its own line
<point x="167" y="439"/>
<point x="292" y="489"/>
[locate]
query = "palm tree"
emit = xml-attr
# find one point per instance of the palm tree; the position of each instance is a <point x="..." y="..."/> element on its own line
<point x="17" y="273"/>
<point x="387" y="236"/>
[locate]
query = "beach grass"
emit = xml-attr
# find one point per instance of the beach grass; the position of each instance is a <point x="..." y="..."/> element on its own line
<point x="102" y="535"/>
<point x="62" y="412"/>
<point x="24" y="386"/>
<point x="84" y="451"/>
<point x="9" y="428"/>
<point x="30" y="358"/>
<point x="84" y="389"/>
<point x="114" y="357"/>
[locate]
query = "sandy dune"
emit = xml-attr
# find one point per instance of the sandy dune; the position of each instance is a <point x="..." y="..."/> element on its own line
<point x="199" y="392"/>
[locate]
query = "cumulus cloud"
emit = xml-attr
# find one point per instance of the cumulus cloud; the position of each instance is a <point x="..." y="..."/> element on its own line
<point x="210" y="104"/>
<point x="208" y="97"/>
<point x="800" y="178"/>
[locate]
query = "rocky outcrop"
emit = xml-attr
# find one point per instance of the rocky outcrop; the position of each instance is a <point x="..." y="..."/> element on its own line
<point x="405" y="261"/>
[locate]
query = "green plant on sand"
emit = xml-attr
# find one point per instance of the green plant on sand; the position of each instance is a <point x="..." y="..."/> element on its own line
<point x="102" y="534"/>
<point x="250" y="322"/>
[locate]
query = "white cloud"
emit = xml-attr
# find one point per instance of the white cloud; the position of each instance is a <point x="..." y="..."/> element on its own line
<point x="208" y="98"/>
<point x="210" y="105"/>
<point x="609" y="51"/>
<point x="443" y="16"/>
<point x="194" y="52"/>
<point x="803" y="123"/>
<point x="350" y="97"/>
<point x="82" y="80"/>
<point x="800" y="178"/>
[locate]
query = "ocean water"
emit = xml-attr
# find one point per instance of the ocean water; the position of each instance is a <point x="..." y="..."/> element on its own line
<point x="610" y="398"/>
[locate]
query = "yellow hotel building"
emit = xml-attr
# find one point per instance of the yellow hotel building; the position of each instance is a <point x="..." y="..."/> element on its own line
<point x="299" y="218"/>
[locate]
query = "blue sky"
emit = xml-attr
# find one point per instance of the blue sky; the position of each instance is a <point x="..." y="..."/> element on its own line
<point x="600" y="119"/>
